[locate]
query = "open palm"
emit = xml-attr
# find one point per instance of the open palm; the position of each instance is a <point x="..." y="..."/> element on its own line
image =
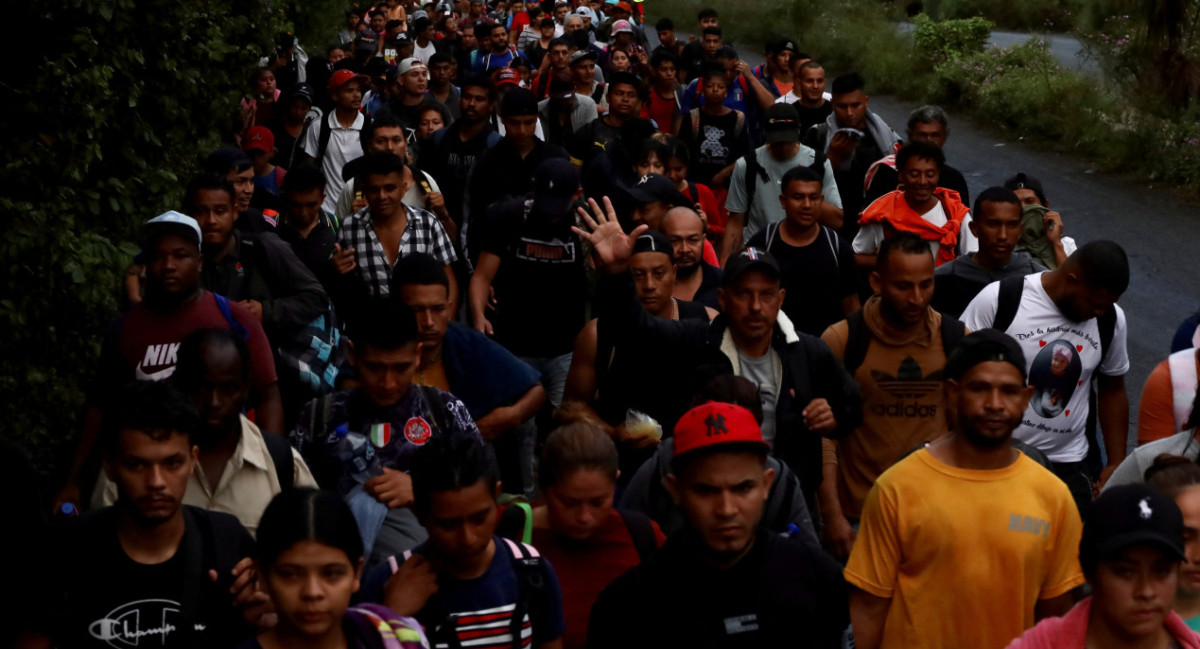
<point x="610" y="245"/>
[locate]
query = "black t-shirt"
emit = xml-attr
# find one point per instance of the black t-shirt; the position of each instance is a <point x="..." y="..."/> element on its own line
<point x="716" y="144"/>
<point x="816" y="277"/>
<point x="812" y="116"/>
<point x="449" y="160"/>
<point x="692" y="60"/>
<point x="593" y="138"/>
<point x="541" y="287"/>
<point x="96" y="596"/>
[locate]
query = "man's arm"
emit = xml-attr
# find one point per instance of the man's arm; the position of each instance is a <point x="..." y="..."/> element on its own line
<point x="451" y="288"/>
<point x="721" y="178"/>
<point x="304" y="297"/>
<point x="505" y="418"/>
<point x="1054" y="607"/>
<point x="867" y="615"/>
<point x="731" y="239"/>
<point x="1113" y="403"/>
<point x="836" y="531"/>
<point x="761" y="94"/>
<point x="830" y="216"/>
<point x="268" y="413"/>
<point x="581" y="377"/>
<point x="481" y="286"/>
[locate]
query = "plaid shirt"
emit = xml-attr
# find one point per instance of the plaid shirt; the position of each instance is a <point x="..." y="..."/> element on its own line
<point x="422" y="234"/>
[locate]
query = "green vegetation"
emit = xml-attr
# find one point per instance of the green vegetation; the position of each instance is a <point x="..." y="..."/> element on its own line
<point x="109" y="112"/>
<point x="1012" y="15"/>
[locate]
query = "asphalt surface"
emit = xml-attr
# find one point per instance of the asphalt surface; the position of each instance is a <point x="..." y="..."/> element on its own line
<point x="1067" y="49"/>
<point x="1156" y="227"/>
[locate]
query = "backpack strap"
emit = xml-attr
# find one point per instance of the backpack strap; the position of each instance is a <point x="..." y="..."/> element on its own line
<point x="693" y="193"/>
<point x="858" y="338"/>
<point x="234" y="326"/>
<point x="789" y="482"/>
<point x="1008" y="301"/>
<point x="641" y="532"/>
<point x="281" y="456"/>
<point x="1107" y="324"/>
<point x="1184" y="383"/>
<point x="953" y="331"/>
<point x="516" y="521"/>
<point x="834" y="241"/>
<point x="323" y="137"/>
<point x="695" y="114"/>
<point x="772" y="230"/>
<point x="527" y="563"/>
<point x="754" y="171"/>
<point x="739" y="125"/>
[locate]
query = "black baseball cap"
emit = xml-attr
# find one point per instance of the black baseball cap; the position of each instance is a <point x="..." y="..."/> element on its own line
<point x="782" y="124"/>
<point x="748" y="260"/>
<point x="1130" y="515"/>
<point x="225" y="159"/>
<point x="780" y="44"/>
<point x="519" y="101"/>
<point x="555" y="184"/>
<point x="657" y="187"/>
<point x="983" y="346"/>
<point x="654" y="241"/>
<point x="1025" y="181"/>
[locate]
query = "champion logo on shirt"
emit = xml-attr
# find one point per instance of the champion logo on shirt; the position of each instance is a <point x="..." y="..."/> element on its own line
<point x="142" y="623"/>
<point x="486" y="629"/>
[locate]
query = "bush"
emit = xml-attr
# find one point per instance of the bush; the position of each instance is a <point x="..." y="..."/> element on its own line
<point x="1013" y="15"/>
<point x="948" y="40"/>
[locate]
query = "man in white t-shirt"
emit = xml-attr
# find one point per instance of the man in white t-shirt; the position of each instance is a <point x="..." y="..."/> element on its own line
<point x="1071" y="329"/>
<point x="754" y="203"/>
<point x="933" y="213"/>
<point x="338" y="140"/>
<point x="424" y="30"/>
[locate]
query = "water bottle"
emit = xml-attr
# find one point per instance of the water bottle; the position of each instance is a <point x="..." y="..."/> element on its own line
<point x="357" y="455"/>
<point x="68" y="510"/>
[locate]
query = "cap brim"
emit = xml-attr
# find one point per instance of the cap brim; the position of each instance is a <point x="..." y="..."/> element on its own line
<point x="783" y="135"/>
<point x="731" y="446"/>
<point x="152" y="232"/>
<point x="551" y="205"/>
<point x="1120" y="542"/>
<point x="760" y="264"/>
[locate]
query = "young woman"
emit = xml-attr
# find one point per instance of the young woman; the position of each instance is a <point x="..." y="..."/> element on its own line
<point x="310" y="559"/>
<point x="1179" y="478"/>
<point x="258" y="107"/>
<point x="618" y="61"/>
<point x="703" y="201"/>
<point x="587" y="541"/>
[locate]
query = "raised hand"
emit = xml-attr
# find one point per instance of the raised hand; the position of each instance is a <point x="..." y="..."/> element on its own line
<point x="611" y="247"/>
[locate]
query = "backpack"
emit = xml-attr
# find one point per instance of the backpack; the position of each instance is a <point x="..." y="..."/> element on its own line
<point x="209" y="549"/>
<point x="1009" y="300"/>
<point x="831" y="238"/>
<point x="738" y="127"/>
<point x="372" y="625"/>
<point x="327" y="131"/>
<point x="858" y="338"/>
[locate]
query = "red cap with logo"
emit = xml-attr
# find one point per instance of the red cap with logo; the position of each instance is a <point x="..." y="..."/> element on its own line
<point x="344" y="76"/>
<point x="717" y="423"/>
<point x="259" y="138"/>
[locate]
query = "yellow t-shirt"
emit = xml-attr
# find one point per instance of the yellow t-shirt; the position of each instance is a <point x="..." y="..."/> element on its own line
<point x="964" y="555"/>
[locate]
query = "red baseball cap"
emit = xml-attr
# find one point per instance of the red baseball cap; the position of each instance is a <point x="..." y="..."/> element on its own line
<point x="623" y="5"/>
<point x="717" y="423"/>
<point x="344" y="76"/>
<point x="259" y="138"/>
<point x="506" y="77"/>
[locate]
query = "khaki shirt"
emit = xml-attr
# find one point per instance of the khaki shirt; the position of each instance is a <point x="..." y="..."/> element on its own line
<point x="247" y="485"/>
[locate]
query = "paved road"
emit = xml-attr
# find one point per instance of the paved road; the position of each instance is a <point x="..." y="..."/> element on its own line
<point x="1157" y="229"/>
<point x="1067" y="49"/>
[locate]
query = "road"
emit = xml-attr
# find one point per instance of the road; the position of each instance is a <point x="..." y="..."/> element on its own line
<point x="1156" y="228"/>
<point x="1067" y="49"/>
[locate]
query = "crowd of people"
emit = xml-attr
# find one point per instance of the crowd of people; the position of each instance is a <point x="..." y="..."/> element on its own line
<point x="507" y="324"/>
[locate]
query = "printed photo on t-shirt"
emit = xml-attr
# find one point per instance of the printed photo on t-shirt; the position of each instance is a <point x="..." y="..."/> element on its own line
<point x="1055" y="376"/>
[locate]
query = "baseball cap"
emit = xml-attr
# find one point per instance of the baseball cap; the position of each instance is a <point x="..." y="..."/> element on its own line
<point x="420" y="22"/>
<point x="782" y="124"/>
<point x="714" y="424"/>
<point x="366" y="42"/>
<point x="582" y="55"/>
<point x="342" y="77"/>
<point x="622" y="6"/>
<point x="561" y="87"/>
<point x="1128" y="515"/>
<point x="981" y="347"/>
<point x="622" y="25"/>
<point x="225" y="159"/>
<point x="170" y="222"/>
<point x="554" y="186"/>
<point x="419" y="15"/>
<point x="443" y="7"/>
<point x="1025" y="181"/>
<point x="657" y="187"/>
<point x="746" y="261"/>
<point x="506" y="77"/>
<point x="410" y="64"/>
<point x="654" y="241"/>
<point x="780" y="44"/>
<point x="301" y="91"/>
<point x="518" y="101"/>
<point x="259" y="138"/>
<point x="584" y="10"/>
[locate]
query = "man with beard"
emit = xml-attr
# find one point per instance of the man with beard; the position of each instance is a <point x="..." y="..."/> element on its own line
<point x="450" y="153"/>
<point x="966" y="504"/>
<point x="238" y="467"/>
<point x="695" y="279"/>
<point x="149" y="571"/>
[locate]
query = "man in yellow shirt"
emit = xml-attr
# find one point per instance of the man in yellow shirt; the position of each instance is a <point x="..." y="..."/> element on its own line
<point x="966" y="542"/>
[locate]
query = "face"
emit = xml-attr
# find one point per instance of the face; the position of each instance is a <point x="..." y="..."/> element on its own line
<point x="578" y="503"/>
<point x="685" y="231"/>
<point x="782" y="60"/>
<point x="298" y="110"/>
<point x="415" y="81"/>
<point x="151" y="475"/>
<point x="265" y="85"/>
<point x="676" y="170"/>
<point x="1188" y="501"/>
<point x="931" y="132"/>
<point x="475" y="104"/>
<point x="801" y="200"/>
<point x="584" y="71"/>
<point x="710" y="43"/>
<point x="665" y="72"/>
<point x="378" y="23"/>
<point x="1082" y="302"/>
<point x="919" y="179"/>
<point x="441" y="72"/>
<point x="386" y="374"/>
<point x="521" y="129"/>
<point x="499" y="38"/>
<point x="215" y="213"/>
<point x="654" y="276"/>
<point x="428" y="33"/>
<point x="559" y="56"/>
<point x="243" y="188"/>
<point x="752" y="304"/>
<point x="906" y="286"/>
<point x="812" y="84"/>
<point x="649" y="165"/>
<point x="1134" y="591"/>
<point x="990" y="400"/>
<point x="722" y="495"/>
<point x="220" y="393"/>
<point x="619" y="62"/>
<point x="1028" y="197"/>
<point x="850" y="109"/>
<point x="384" y="193"/>
<point x="998" y="228"/>
<point x="311" y="585"/>
<point x="650" y="214"/>
<point x="714" y="90"/>
<point x="560" y="13"/>
<point x="390" y="139"/>
<point x="469" y="40"/>
<point x="666" y="36"/>
<point x="709" y="22"/>
<point x="461" y="522"/>
<point x="173" y="267"/>
<point x="336" y="54"/>
<point x="304" y="208"/>
<point x="431" y="303"/>
<point x="348" y="96"/>
<point x="431" y="121"/>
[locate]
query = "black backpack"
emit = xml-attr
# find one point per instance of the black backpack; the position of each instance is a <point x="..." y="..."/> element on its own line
<point x="1009" y="300"/>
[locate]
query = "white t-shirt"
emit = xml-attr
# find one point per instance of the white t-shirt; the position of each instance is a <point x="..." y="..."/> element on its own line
<point x="869" y="238"/>
<point x="766" y="208"/>
<point x="412" y="197"/>
<point x="424" y="53"/>
<point x="790" y="97"/>
<point x="1060" y="356"/>
<point x="345" y="144"/>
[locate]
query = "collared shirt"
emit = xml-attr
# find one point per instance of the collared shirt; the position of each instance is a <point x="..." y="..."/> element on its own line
<point x="422" y="234"/>
<point x="345" y="144"/>
<point x="247" y="484"/>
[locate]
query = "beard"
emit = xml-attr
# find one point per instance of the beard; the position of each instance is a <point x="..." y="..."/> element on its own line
<point x="980" y="440"/>
<point x="686" y="272"/>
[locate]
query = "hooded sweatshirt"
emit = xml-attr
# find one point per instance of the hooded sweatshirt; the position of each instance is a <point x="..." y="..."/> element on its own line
<point x="1070" y="631"/>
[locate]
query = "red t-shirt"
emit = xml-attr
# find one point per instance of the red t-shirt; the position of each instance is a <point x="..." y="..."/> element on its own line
<point x="144" y="344"/>
<point x="585" y="569"/>
<point x="663" y="111"/>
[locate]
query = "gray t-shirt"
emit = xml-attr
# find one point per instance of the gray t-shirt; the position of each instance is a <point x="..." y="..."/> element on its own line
<point x="759" y="372"/>
<point x="1132" y="470"/>
<point x="766" y="208"/>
